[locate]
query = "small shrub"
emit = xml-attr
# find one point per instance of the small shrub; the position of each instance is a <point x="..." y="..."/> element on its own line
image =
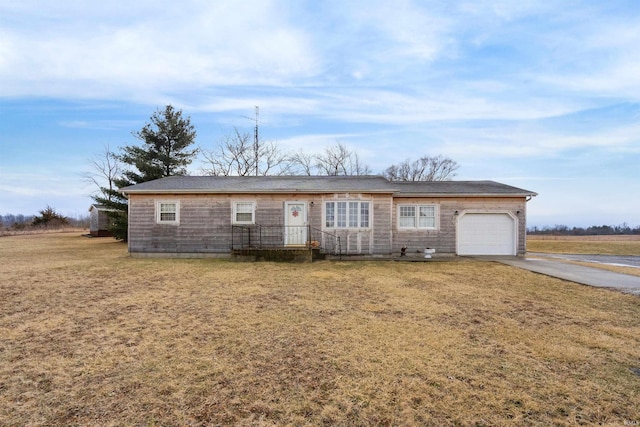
<point x="49" y="218"/>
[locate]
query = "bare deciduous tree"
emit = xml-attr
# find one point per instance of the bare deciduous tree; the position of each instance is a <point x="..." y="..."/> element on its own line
<point x="426" y="168"/>
<point x="105" y="170"/>
<point x="339" y="160"/>
<point x="236" y="154"/>
<point x="359" y="168"/>
<point x="233" y="156"/>
<point x="271" y="160"/>
<point x="302" y="163"/>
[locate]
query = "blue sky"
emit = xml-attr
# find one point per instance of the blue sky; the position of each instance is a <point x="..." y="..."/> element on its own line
<point x="536" y="94"/>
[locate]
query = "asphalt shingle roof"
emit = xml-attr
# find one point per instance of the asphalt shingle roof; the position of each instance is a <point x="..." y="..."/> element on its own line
<point x="320" y="184"/>
<point x="459" y="187"/>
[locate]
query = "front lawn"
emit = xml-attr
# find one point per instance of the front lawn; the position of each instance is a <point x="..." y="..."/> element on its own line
<point x="89" y="336"/>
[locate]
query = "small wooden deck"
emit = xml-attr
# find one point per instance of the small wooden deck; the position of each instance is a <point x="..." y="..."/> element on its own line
<point x="296" y="254"/>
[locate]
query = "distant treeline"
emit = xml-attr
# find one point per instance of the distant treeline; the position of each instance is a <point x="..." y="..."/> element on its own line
<point x="24" y="222"/>
<point x="594" y="230"/>
<point x="21" y="222"/>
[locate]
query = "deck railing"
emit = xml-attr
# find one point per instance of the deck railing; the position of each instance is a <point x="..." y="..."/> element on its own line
<point x="280" y="236"/>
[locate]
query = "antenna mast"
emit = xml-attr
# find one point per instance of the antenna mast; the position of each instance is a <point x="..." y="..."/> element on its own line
<point x="256" y="146"/>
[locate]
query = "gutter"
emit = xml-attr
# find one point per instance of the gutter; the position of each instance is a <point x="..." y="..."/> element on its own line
<point x="529" y="196"/>
<point x="288" y="191"/>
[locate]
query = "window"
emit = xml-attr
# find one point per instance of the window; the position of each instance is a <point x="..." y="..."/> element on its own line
<point x="342" y="215"/>
<point x="330" y="215"/>
<point x="364" y="215"/>
<point x="244" y="212"/>
<point x="426" y="217"/>
<point x="407" y="216"/>
<point x="168" y="212"/>
<point x="346" y="214"/>
<point x="417" y="216"/>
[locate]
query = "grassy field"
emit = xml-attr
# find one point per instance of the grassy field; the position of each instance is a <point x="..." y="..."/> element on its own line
<point x="604" y="245"/>
<point x="89" y="336"/>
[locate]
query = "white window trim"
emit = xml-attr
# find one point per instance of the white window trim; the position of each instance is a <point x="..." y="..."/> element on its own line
<point x="159" y="203"/>
<point x="234" y="211"/>
<point x="417" y="206"/>
<point x="335" y="215"/>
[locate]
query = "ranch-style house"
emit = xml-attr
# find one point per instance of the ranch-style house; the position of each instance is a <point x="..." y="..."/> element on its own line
<point x="199" y="216"/>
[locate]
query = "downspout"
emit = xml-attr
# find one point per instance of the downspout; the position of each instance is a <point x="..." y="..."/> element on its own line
<point x="128" y="228"/>
<point x="529" y="197"/>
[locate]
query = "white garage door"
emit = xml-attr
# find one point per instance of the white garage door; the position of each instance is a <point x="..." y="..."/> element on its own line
<point x="486" y="234"/>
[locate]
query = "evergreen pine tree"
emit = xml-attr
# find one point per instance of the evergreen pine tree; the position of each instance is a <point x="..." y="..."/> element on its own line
<point x="165" y="151"/>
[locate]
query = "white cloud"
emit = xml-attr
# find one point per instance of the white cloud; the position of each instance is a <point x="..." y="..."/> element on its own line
<point x="43" y="182"/>
<point x="494" y="84"/>
<point x="572" y="202"/>
<point x="100" y="124"/>
<point x="222" y="43"/>
<point x="394" y="107"/>
<point x="313" y="143"/>
<point x="505" y="10"/>
<point x="411" y="30"/>
<point x="527" y="141"/>
<point x="617" y="79"/>
<point x="590" y="50"/>
<point x="27" y="192"/>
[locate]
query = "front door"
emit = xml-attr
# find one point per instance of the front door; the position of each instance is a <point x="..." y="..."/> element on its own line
<point x="295" y="223"/>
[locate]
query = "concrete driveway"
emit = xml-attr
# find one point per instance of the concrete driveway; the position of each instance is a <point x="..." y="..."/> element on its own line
<point x="574" y="273"/>
<point x="618" y="260"/>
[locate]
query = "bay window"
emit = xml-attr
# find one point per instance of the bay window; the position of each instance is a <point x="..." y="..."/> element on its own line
<point x="348" y="214"/>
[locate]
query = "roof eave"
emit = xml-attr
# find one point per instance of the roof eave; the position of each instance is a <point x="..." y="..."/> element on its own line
<point x="464" y="194"/>
<point x="287" y="191"/>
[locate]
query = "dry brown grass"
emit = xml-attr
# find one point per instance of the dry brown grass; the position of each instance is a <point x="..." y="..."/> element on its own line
<point x="89" y="336"/>
<point x="38" y="230"/>
<point x="633" y="271"/>
<point x="604" y="245"/>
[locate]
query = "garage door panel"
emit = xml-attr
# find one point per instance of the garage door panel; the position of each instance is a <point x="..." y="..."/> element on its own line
<point x="486" y="234"/>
